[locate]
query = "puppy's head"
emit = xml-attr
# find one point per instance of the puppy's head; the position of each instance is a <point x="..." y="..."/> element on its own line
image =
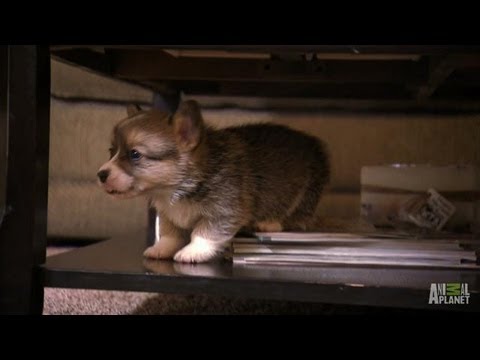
<point x="150" y="150"/>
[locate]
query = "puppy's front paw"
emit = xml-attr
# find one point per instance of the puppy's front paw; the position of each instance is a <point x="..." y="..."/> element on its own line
<point x="165" y="248"/>
<point x="158" y="252"/>
<point x="196" y="253"/>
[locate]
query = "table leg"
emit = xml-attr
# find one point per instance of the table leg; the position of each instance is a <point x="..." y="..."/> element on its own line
<point x="25" y="112"/>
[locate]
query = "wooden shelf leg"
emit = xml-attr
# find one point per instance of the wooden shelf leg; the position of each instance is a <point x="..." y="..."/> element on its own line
<point x="25" y="117"/>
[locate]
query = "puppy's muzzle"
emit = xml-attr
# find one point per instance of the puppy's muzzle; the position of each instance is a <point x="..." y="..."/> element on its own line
<point x="103" y="175"/>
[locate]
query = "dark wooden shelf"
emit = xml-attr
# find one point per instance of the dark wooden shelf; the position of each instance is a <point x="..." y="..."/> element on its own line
<point x="420" y="77"/>
<point x="118" y="264"/>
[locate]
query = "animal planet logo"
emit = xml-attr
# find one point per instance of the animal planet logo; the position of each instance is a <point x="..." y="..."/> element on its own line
<point x="449" y="293"/>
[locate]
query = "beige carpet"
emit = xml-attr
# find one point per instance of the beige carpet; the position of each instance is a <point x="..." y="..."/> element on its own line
<point x="101" y="302"/>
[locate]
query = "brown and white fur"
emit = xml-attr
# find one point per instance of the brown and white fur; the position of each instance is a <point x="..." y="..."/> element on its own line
<point x="209" y="184"/>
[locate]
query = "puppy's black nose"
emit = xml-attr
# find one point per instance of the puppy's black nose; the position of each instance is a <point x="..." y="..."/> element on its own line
<point x="103" y="175"/>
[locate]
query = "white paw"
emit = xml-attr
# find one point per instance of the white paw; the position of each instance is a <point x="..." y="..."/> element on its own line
<point x="197" y="252"/>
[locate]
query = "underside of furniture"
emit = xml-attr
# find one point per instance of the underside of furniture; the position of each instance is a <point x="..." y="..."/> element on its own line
<point x="390" y="77"/>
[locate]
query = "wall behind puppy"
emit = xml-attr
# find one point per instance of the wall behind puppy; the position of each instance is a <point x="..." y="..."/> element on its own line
<point x="85" y="107"/>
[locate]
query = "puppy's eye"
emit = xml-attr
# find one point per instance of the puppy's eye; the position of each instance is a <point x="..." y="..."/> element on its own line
<point x="134" y="155"/>
<point x="111" y="151"/>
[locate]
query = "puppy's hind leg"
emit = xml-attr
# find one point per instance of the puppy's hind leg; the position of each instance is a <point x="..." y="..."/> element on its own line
<point x="269" y="226"/>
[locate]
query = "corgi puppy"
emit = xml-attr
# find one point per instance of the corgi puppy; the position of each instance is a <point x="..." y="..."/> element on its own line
<point x="209" y="184"/>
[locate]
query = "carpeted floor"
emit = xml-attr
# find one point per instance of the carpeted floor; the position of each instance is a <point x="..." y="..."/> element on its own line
<point x="101" y="302"/>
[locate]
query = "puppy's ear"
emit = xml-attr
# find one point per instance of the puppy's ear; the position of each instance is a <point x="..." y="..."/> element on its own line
<point x="188" y="125"/>
<point x="133" y="109"/>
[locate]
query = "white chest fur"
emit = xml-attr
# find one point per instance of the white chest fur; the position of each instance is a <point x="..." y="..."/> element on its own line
<point x="183" y="213"/>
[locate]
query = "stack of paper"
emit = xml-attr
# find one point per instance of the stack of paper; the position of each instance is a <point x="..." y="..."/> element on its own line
<point x="355" y="249"/>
